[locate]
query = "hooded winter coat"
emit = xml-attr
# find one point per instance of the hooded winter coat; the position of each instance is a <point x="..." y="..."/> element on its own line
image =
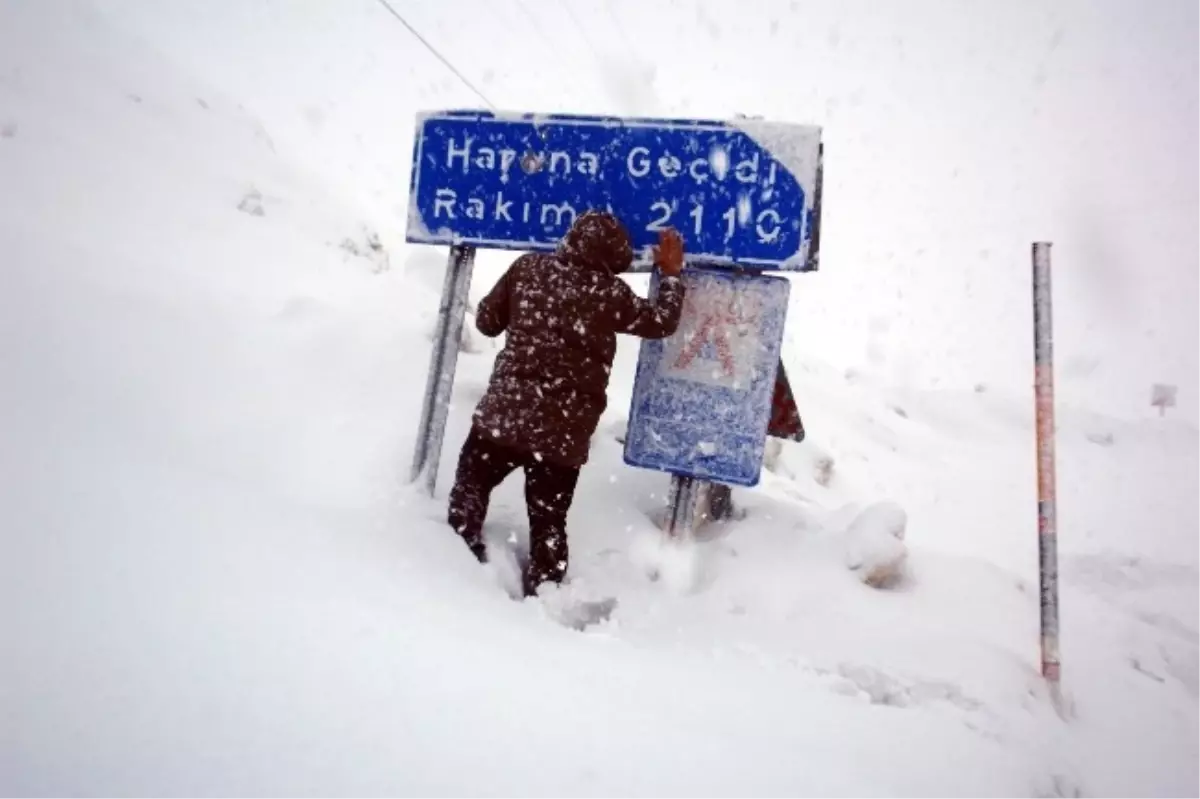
<point x="561" y="312"/>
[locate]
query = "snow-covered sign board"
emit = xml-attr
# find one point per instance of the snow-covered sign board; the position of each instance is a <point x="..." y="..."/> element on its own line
<point x="702" y="398"/>
<point x="743" y="192"/>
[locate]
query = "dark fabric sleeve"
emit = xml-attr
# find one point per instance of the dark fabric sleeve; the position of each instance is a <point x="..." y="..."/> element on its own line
<point x="657" y="318"/>
<point x="491" y="318"/>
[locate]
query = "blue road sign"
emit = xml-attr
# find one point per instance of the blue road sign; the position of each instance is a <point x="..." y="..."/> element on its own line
<point x="740" y="192"/>
<point x="702" y="398"/>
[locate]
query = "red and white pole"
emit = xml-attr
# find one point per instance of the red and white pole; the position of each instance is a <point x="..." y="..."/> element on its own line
<point x="1047" y="517"/>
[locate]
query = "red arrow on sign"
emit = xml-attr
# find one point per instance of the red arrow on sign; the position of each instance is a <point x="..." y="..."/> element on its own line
<point x="710" y="329"/>
<point x="717" y="313"/>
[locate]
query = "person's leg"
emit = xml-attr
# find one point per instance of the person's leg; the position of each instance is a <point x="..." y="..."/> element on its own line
<point x="549" y="489"/>
<point x="482" y="466"/>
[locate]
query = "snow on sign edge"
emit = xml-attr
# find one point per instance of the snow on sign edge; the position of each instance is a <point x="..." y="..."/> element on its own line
<point x="798" y="149"/>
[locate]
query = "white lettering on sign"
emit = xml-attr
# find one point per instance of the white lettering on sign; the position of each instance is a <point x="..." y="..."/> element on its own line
<point x="729" y="216"/>
<point x="660" y="207"/>
<point x="639" y="162"/>
<point x="669" y="166"/>
<point x="466" y="156"/>
<point x="559" y="211"/>
<point x="768" y="224"/>
<point x="502" y="208"/>
<point x="586" y="164"/>
<point x="768" y="235"/>
<point x="638" y="165"/>
<point x="562" y="159"/>
<point x="447" y="204"/>
<point x="747" y="171"/>
<point x="444" y="201"/>
<point x="464" y="153"/>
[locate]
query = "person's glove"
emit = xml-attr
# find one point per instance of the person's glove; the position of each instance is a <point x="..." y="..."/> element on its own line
<point x="668" y="255"/>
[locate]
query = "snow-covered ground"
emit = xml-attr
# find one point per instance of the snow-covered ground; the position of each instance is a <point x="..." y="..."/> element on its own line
<point x="214" y="579"/>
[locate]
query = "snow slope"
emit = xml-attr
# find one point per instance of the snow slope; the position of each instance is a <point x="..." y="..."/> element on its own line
<point x="214" y="579"/>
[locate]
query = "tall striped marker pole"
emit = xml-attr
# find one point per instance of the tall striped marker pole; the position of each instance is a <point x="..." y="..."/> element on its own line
<point x="1043" y="334"/>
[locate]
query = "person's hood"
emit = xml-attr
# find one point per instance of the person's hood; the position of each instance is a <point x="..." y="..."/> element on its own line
<point x="597" y="240"/>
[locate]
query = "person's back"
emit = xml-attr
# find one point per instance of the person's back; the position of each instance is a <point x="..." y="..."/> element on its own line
<point x="561" y="313"/>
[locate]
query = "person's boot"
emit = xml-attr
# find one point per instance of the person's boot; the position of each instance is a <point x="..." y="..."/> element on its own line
<point x="530" y="584"/>
<point x="534" y="580"/>
<point x="478" y="550"/>
<point x="458" y="525"/>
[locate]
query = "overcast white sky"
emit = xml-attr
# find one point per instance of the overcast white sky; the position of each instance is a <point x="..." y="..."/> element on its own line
<point x="956" y="134"/>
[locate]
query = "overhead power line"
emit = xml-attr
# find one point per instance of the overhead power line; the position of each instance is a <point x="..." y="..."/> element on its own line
<point x="436" y="53"/>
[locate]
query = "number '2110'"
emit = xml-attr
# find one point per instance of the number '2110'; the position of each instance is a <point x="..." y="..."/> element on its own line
<point x="767" y="225"/>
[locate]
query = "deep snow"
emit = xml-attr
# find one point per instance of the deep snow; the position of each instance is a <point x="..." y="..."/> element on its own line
<point x="215" y="580"/>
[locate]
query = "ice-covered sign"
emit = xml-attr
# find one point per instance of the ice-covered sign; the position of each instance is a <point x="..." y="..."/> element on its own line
<point x="702" y="398"/>
<point x="741" y="192"/>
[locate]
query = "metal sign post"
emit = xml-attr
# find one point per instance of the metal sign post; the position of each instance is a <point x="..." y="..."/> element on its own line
<point x="1043" y="332"/>
<point x="439" y="384"/>
<point x="681" y="506"/>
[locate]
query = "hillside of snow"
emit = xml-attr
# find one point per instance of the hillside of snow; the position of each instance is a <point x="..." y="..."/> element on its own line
<point x="216" y="580"/>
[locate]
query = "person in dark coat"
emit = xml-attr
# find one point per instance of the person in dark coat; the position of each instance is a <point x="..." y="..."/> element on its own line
<point x="561" y="312"/>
